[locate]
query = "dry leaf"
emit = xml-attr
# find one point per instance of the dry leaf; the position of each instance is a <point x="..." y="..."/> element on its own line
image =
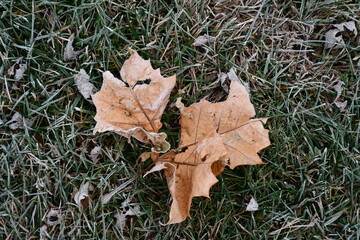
<point x="18" y="122"/>
<point x="131" y="107"/>
<point x="121" y="215"/>
<point x="43" y="233"/>
<point x="222" y="77"/>
<point x="82" y="197"/>
<point x="94" y="154"/>
<point x="107" y="197"/>
<point x="335" y="37"/>
<point x="53" y="217"/>
<point x="82" y="82"/>
<point x="338" y="102"/>
<point x="17" y="70"/>
<point x="203" y="40"/>
<point x="214" y="135"/>
<point x="253" y="205"/>
<point x="69" y="52"/>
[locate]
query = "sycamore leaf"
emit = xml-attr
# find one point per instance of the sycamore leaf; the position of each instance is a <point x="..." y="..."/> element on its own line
<point x="214" y="135"/>
<point x="131" y="107"/>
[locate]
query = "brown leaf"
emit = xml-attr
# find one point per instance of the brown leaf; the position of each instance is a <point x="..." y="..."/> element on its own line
<point x="131" y="107"/>
<point x="215" y="135"/>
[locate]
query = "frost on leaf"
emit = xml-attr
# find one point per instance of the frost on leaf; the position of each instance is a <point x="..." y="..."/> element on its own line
<point x="214" y="135"/>
<point x="132" y="107"/>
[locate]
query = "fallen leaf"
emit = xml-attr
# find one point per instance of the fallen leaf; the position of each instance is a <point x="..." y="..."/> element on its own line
<point x="335" y="37"/>
<point x="203" y="40"/>
<point x="214" y="135"/>
<point x="94" y="154"/>
<point x="53" y="217"/>
<point x="69" y="52"/>
<point x="340" y="104"/>
<point x="43" y="233"/>
<point x="121" y="215"/>
<point x="107" y="197"/>
<point x="253" y="205"/>
<point x="82" y="82"/>
<point x="131" y="107"/>
<point x="17" y="70"/>
<point x="18" y="122"/>
<point x="222" y="78"/>
<point x="82" y="196"/>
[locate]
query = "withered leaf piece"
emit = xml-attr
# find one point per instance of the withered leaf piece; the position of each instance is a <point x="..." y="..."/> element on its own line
<point x="131" y="107"/>
<point x="215" y="135"/>
<point x="82" y="197"/>
<point x="334" y="38"/>
<point x="17" y="70"/>
<point x="69" y="52"/>
<point x="82" y="82"/>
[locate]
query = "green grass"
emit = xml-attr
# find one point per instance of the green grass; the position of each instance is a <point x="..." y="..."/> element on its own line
<point x="309" y="188"/>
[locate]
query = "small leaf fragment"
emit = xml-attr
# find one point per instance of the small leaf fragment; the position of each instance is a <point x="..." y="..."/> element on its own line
<point x="335" y="37"/>
<point x="69" y="52"/>
<point x="82" y="197"/>
<point x="17" y="70"/>
<point x="121" y="215"/>
<point x="94" y="154"/>
<point x="252" y="205"/>
<point x="18" y="122"/>
<point x="53" y="217"/>
<point x="86" y="88"/>
<point x="203" y="40"/>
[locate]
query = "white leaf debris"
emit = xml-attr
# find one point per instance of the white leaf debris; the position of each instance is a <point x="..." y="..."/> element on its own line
<point x="69" y="52"/>
<point x="338" y="102"/>
<point x="53" y="217"/>
<point x="334" y="37"/>
<point x="17" y="70"/>
<point x="82" y="197"/>
<point x="82" y="82"/>
<point x="43" y="233"/>
<point x="121" y="215"/>
<point x="338" y="88"/>
<point x="18" y="122"/>
<point x="94" y="154"/>
<point x="253" y="205"/>
<point x="203" y="40"/>
<point x="233" y="77"/>
<point x="222" y="77"/>
<point x="107" y="197"/>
